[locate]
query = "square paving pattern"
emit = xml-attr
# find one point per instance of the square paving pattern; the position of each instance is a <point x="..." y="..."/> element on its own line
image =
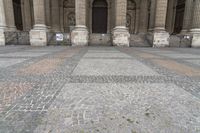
<point x="99" y="90"/>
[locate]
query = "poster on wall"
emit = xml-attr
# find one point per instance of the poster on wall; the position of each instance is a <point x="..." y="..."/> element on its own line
<point x="59" y="37"/>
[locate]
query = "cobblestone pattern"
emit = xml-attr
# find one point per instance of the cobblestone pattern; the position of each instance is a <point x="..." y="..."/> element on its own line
<point x="190" y="84"/>
<point x="57" y="93"/>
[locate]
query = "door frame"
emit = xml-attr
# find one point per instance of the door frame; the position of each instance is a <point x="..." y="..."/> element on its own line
<point x="108" y="16"/>
<point x="102" y="11"/>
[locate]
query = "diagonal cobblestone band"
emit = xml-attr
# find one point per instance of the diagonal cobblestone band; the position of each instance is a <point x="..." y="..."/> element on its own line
<point x="99" y="90"/>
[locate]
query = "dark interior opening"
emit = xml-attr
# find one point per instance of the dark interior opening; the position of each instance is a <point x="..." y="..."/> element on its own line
<point x="179" y="16"/>
<point x="18" y="14"/>
<point x="99" y="16"/>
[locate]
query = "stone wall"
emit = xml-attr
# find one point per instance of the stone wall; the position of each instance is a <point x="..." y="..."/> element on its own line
<point x="139" y="40"/>
<point x="51" y="39"/>
<point x="180" y="41"/>
<point x="17" y="38"/>
<point x="100" y="39"/>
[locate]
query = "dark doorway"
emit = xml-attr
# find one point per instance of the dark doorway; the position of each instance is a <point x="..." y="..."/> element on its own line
<point x="18" y="14"/>
<point x="99" y="16"/>
<point x="179" y="16"/>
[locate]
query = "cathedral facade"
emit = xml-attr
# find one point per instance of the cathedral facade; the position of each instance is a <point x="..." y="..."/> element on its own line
<point x="153" y="23"/>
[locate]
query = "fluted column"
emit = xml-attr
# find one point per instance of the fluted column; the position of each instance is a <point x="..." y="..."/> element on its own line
<point x="48" y="13"/>
<point x="171" y="13"/>
<point x="161" y="13"/>
<point x="26" y="13"/>
<point x="196" y="24"/>
<point x="161" y="37"/>
<point x="9" y="11"/>
<point x="55" y="18"/>
<point x="143" y="16"/>
<point x="121" y="36"/>
<point x="2" y="23"/>
<point x="187" y="16"/>
<point x="152" y="16"/>
<point x="79" y="36"/>
<point x="38" y="36"/>
<point x="121" y="7"/>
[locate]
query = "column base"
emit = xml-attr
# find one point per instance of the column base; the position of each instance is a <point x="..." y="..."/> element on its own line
<point x="184" y="32"/>
<point x="121" y="36"/>
<point x="196" y="38"/>
<point x="11" y="29"/>
<point x="2" y="38"/>
<point x="38" y="36"/>
<point x="79" y="36"/>
<point x="161" y="39"/>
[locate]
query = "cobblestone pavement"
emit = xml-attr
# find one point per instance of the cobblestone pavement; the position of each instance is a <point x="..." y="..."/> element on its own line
<point x="99" y="90"/>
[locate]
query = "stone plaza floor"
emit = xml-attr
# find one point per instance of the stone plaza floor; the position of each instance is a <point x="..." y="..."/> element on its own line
<point x="99" y="90"/>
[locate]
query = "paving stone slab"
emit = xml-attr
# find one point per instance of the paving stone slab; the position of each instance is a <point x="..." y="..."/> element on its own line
<point x="122" y="107"/>
<point x="24" y="54"/>
<point x="107" y="55"/>
<point x="6" y="62"/>
<point x="112" y="67"/>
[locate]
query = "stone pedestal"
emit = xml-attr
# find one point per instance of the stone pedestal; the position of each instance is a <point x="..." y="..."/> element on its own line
<point x="2" y="38"/>
<point x="196" y="38"/>
<point x="121" y="36"/>
<point x="79" y="36"/>
<point x="161" y="39"/>
<point x="38" y="36"/>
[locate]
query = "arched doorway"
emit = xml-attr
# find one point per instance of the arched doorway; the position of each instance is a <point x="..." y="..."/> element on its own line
<point x="99" y="16"/>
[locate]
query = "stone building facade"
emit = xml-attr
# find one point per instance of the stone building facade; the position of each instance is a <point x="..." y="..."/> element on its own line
<point x="157" y="23"/>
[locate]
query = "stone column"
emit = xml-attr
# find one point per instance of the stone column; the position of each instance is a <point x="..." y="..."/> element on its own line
<point x="2" y="23"/>
<point x="38" y="35"/>
<point x="196" y="24"/>
<point x="171" y="14"/>
<point x="55" y="15"/>
<point x="9" y="11"/>
<point x="143" y="16"/>
<point x="152" y="16"/>
<point x="187" y="16"/>
<point x="79" y="36"/>
<point x="121" y="35"/>
<point x="48" y="13"/>
<point x="160" y="37"/>
<point x="26" y="14"/>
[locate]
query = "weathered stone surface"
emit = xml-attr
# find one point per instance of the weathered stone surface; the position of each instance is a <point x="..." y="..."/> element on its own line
<point x="100" y="39"/>
<point x="196" y="40"/>
<point x="17" y="38"/>
<point x="161" y="39"/>
<point x="121" y="36"/>
<point x="79" y="36"/>
<point x="38" y="37"/>
<point x="2" y="38"/>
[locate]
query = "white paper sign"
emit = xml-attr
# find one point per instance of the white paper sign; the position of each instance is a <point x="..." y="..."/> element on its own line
<point x="59" y="37"/>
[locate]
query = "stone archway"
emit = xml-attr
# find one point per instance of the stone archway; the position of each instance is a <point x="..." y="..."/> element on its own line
<point x="99" y="16"/>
